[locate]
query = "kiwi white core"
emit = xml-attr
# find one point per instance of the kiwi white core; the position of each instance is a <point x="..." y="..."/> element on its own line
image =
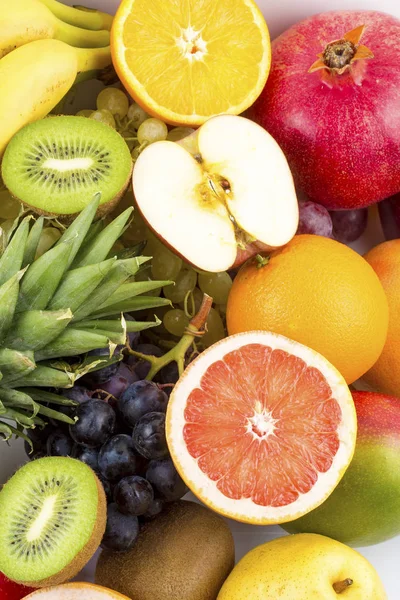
<point x="37" y="527"/>
<point x="70" y="164"/>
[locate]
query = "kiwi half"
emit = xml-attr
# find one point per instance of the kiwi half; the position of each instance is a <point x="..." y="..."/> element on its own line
<point x="53" y="517"/>
<point x="56" y="165"/>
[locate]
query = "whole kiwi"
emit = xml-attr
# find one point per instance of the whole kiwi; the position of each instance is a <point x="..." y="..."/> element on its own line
<point x="184" y="554"/>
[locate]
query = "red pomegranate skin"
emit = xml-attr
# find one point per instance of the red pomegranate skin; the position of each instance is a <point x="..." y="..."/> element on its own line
<point x="12" y="591"/>
<point x="340" y="133"/>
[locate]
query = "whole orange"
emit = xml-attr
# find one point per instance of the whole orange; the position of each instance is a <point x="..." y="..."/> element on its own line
<point x="384" y="376"/>
<point x="318" y="292"/>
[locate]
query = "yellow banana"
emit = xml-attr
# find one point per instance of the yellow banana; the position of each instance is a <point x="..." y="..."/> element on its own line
<point x="36" y="76"/>
<point x="24" y="21"/>
<point x="88" y="18"/>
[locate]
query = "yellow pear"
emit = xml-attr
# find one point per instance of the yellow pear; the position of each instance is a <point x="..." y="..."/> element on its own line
<point x="304" y="566"/>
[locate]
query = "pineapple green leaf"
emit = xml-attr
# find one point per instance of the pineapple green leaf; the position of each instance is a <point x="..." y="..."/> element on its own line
<point x="33" y="242"/>
<point x="11" y="260"/>
<point x="40" y="396"/>
<point x="72" y="342"/>
<point x="43" y="277"/>
<point x="45" y="376"/>
<point x="79" y="284"/>
<point x="34" y="329"/>
<point x="130" y="290"/>
<point x="77" y="231"/>
<point x="121" y="271"/>
<point x="131" y="305"/>
<point x="19" y="399"/>
<point x="100" y="246"/>
<point x="8" y="302"/>
<point x="15" y="364"/>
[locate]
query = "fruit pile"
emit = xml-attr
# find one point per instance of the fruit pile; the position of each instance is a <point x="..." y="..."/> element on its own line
<point x="180" y="307"/>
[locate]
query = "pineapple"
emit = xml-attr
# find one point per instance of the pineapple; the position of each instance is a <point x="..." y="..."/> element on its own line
<point x="65" y="303"/>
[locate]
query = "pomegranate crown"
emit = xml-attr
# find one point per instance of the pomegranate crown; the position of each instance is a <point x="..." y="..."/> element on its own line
<point x="339" y="55"/>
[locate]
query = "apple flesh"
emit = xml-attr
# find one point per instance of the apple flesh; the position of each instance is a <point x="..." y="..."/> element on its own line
<point x="364" y="508"/>
<point x="210" y="196"/>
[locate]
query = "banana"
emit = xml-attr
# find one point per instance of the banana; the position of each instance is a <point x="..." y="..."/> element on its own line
<point x="36" y="76"/>
<point x="24" y="21"/>
<point x="88" y="18"/>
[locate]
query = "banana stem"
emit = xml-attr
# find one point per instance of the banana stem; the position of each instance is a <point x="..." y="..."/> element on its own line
<point x="342" y="586"/>
<point x="177" y="354"/>
<point x="82" y="38"/>
<point x="80" y="17"/>
<point x="92" y="59"/>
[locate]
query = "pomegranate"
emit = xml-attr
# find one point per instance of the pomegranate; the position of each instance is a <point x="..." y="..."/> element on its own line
<point x="332" y="102"/>
<point x="12" y="591"/>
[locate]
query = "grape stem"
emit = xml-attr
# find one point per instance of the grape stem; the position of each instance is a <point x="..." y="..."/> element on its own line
<point x="195" y="328"/>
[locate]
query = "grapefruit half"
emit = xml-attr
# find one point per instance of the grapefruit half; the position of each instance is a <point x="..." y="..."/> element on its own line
<point x="261" y="428"/>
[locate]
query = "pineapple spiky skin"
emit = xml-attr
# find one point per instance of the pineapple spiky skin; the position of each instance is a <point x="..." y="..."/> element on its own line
<point x="67" y="302"/>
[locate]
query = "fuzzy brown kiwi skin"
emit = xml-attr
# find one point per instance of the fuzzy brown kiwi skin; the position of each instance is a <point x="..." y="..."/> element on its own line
<point x="83" y="557"/>
<point x="102" y="211"/>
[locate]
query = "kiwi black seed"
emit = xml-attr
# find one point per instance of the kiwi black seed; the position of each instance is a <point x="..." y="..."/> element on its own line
<point x="53" y="516"/>
<point x="56" y="165"/>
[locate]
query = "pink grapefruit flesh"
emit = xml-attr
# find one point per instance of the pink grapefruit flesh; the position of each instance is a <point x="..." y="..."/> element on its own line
<point x="261" y="428"/>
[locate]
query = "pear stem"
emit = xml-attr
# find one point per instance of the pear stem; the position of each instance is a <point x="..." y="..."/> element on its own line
<point x="194" y="329"/>
<point x="342" y="586"/>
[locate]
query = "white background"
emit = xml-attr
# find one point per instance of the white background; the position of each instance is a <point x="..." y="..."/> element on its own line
<point x="279" y="15"/>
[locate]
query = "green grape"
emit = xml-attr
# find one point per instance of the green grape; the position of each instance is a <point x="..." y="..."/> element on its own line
<point x="178" y="133"/>
<point x="175" y="322"/>
<point x="113" y="100"/>
<point x="9" y="207"/>
<point x="50" y="235"/>
<point x="193" y="302"/>
<point x="215" y="329"/>
<point x="216" y="285"/>
<point x="86" y="112"/>
<point x="137" y="115"/>
<point x="145" y="275"/>
<point x="152" y="130"/>
<point x="221" y="308"/>
<point x="104" y="116"/>
<point x="185" y="282"/>
<point x="165" y="264"/>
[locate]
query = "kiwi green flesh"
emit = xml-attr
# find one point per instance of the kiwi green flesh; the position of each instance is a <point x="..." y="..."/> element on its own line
<point x="55" y="166"/>
<point x="53" y="513"/>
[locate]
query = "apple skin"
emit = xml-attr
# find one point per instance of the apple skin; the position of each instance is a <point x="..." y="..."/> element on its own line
<point x="12" y="591"/>
<point x="302" y="567"/>
<point x="364" y="509"/>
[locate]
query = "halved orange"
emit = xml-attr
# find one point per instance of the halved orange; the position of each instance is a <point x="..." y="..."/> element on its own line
<point x="261" y="428"/>
<point x="186" y="61"/>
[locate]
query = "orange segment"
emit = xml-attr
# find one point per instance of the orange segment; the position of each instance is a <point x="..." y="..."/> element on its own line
<point x="261" y="428"/>
<point x="187" y="61"/>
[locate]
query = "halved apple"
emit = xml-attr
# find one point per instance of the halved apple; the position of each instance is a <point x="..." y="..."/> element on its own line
<point x="211" y="195"/>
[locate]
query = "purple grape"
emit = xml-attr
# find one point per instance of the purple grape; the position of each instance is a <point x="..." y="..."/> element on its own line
<point x="107" y="486"/>
<point x="117" y="458"/>
<point x="166" y="480"/>
<point x="134" y="336"/>
<point x="133" y="495"/>
<point x="121" y="530"/>
<point x="149" y="436"/>
<point x="59" y="444"/>
<point x="89" y="456"/>
<point x="169" y="373"/>
<point x="119" y="382"/>
<point x="142" y="367"/>
<point x="315" y="219"/>
<point x="141" y="398"/>
<point x="154" y="509"/>
<point x="349" y="225"/>
<point x="78" y="394"/>
<point x="95" y="379"/>
<point x="38" y="450"/>
<point x="389" y="214"/>
<point x="96" y="423"/>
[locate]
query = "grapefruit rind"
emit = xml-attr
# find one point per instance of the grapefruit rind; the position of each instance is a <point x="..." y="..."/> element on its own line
<point x="138" y="90"/>
<point x="244" y="509"/>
